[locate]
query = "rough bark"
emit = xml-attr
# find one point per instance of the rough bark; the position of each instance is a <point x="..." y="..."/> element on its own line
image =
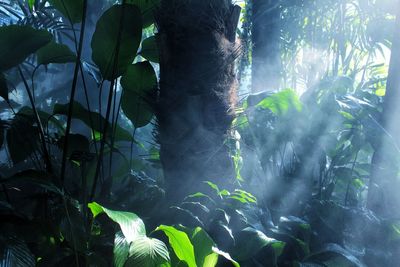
<point x="266" y="36"/>
<point x="197" y="92"/>
<point x="383" y="195"/>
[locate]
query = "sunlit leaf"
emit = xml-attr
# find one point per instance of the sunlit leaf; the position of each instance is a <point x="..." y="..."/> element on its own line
<point x="121" y="250"/>
<point x="281" y="102"/>
<point x="18" y="42"/>
<point x="131" y="225"/>
<point x="180" y="243"/>
<point x="119" y="30"/>
<point x="148" y="252"/>
<point x="55" y="53"/>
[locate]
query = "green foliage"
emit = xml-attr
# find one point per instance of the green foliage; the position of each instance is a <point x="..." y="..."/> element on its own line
<point x="92" y="119"/>
<point x="116" y="40"/>
<point x="281" y="102"/>
<point x="55" y="53"/>
<point x="18" y="42"/>
<point x="180" y="243"/>
<point x="139" y="94"/>
<point x="150" y="49"/>
<point x="147" y="8"/>
<point x="302" y="161"/>
<point x="71" y="9"/>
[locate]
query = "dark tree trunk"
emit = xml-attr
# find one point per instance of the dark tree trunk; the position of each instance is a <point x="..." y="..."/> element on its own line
<point x="383" y="195"/>
<point x="197" y="92"/>
<point x="266" y="36"/>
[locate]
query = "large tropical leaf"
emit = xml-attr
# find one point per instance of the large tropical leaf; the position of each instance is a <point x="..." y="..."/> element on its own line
<point x="148" y="252"/>
<point x="147" y="8"/>
<point x="250" y="241"/>
<point x="18" y="42"/>
<point x="55" y="53"/>
<point x="281" y="102"/>
<point x="140" y="88"/>
<point x="92" y="119"/>
<point x="180" y="243"/>
<point x="71" y="9"/>
<point x="116" y="40"/>
<point x="121" y="250"/>
<point x="131" y="225"/>
<point x="150" y="49"/>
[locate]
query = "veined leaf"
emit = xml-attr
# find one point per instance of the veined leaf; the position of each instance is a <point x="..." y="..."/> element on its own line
<point x="121" y="250"/>
<point x="180" y="243"/>
<point x="131" y="225"/>
<point x="148" y="252"/>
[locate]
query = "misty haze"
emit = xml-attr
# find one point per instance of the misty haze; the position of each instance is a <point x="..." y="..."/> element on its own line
<point x="200" y="133"/>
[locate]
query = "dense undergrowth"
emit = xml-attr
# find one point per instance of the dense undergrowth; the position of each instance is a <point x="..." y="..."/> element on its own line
<point x="80" y="189"/>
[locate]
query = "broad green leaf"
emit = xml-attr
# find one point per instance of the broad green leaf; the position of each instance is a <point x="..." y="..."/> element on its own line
<point x="55" y="53"/>
<point x="119" y="30"/>
<point x="150" y="49"/>
<point x="213" y="186"/>
<point x="180" y="243"/>
<point x="131" y="225"/>
<point x="250" y="241"/>
<point x="71" y="9"/>
<point x="92" y="119"/>
<point x="281" y="102"/>
<point x="121" y="250"/>
<point x="3" y="87"/>
<point x="202" y="244"/>
<point x="18" y="42"/>
<point x="139" y="85"/>
<point x="148" y="252"/>
<point x="147" y="8"/>
<point x="243" y="196"/>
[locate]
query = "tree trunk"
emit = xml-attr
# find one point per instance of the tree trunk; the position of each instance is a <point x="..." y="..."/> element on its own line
<point x="383" y="195"/>
<point x="197" y="92"/>
<point x="266" y="35"/>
